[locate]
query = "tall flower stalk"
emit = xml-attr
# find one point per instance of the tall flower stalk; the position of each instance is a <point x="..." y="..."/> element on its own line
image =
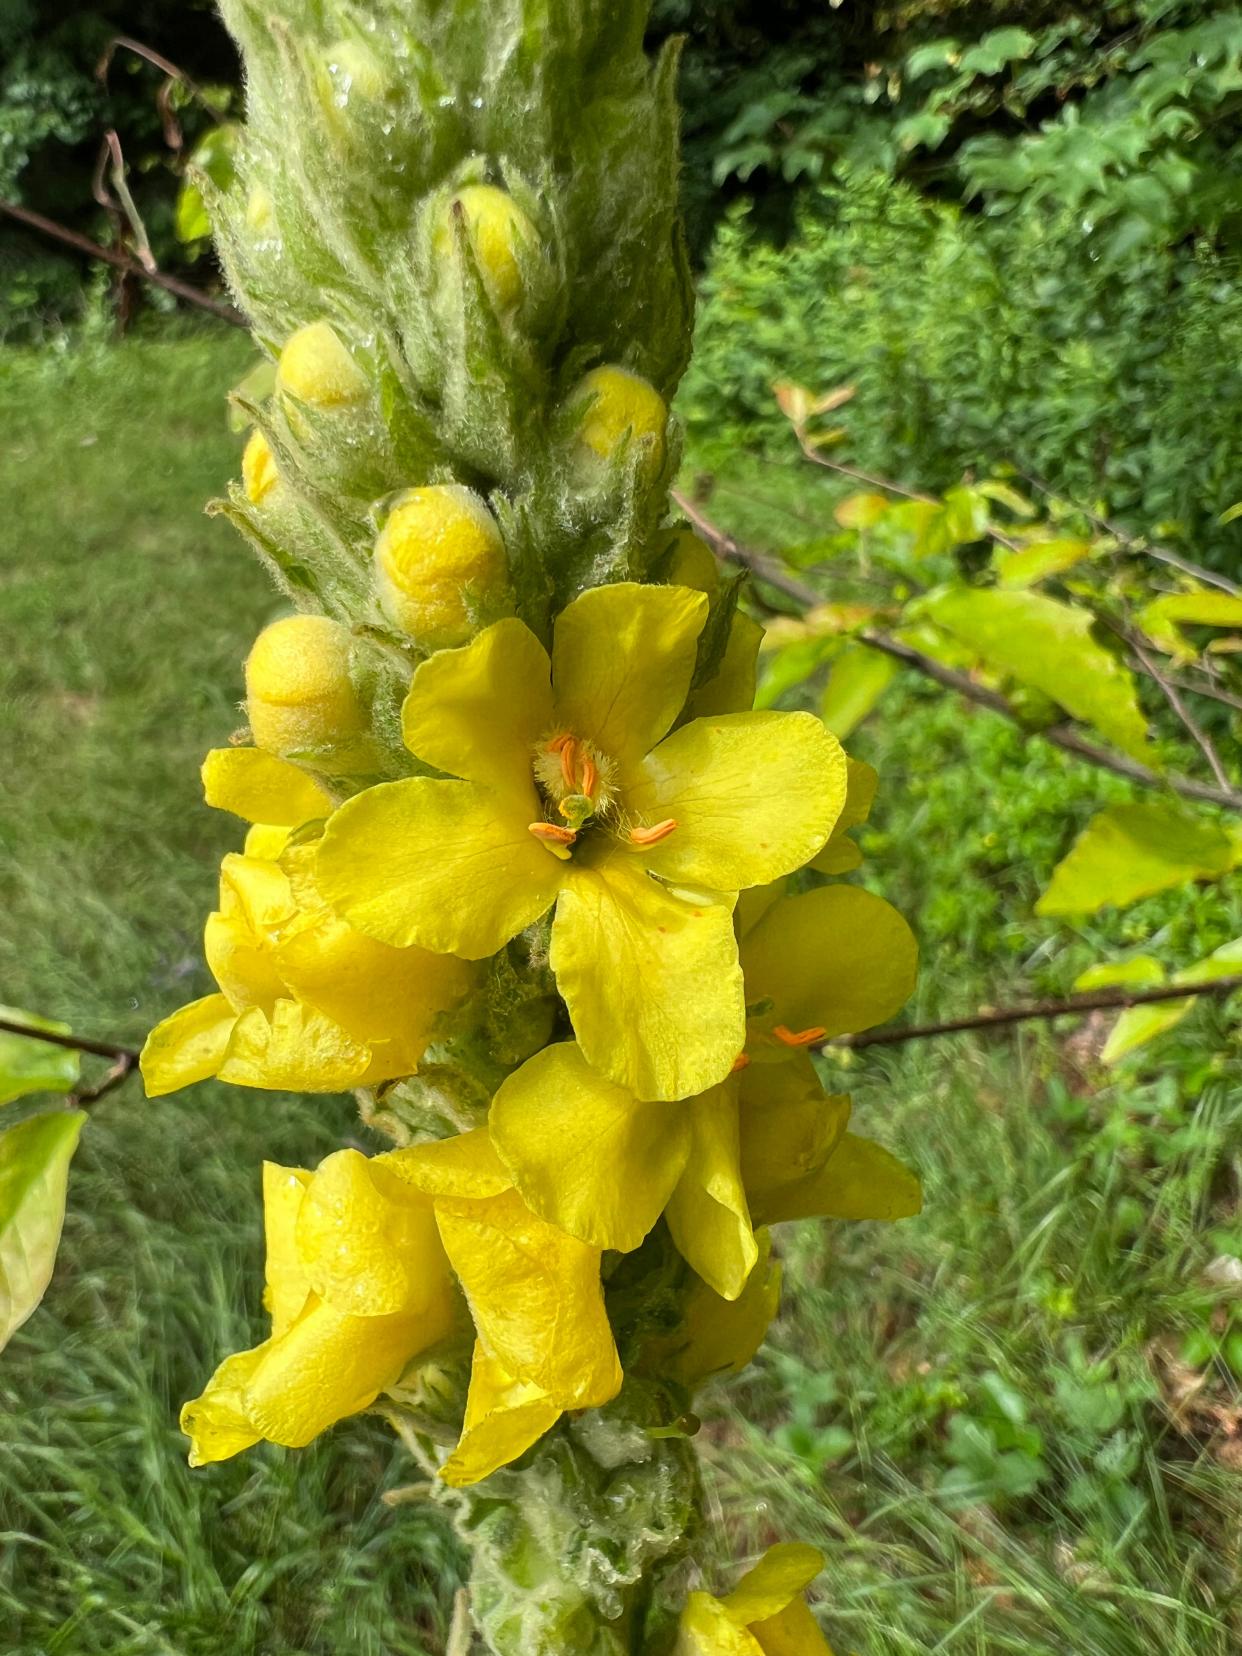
<point x="523" y="868"/>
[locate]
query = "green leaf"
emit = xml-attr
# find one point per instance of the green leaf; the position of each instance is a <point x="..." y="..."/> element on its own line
<point x="1221" y="963"/>
<point x="1231" y="514"/>
<point x="859" y="677"/>
<point x="1159" y="620"/>
<point x="1047" y="644"/>
<point x="861" y="511"/>
<point x="1131" y="851"/>
<point x="30" y="1066"/>
<point x="34" y="1176"/>
<point x="789" y="666"/>
<point x="1139" y="972"/>
<point x="1139" y="1024"/>
<point x="1038" y="560"/>
<point x="1004" y="494"/>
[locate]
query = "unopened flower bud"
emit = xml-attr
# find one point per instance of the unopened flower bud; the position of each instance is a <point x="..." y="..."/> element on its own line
<point x="620" y="403"/>
<point x="316" y="368"/>
<point x="439" y="562"/>
<point x="261" y="211"/>
<point x="497" y="228"/>
<point x="349" y="73"/>
<point x="259" y="474"/>
<point x="299" y="693"/>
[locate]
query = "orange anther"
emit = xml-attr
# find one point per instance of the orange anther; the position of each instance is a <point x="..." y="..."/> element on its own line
<point x="550" y="832"/>
<point x="741" y="1062"/>
<point x="652" y="836"/>
<point x="590" y="776"/>
<point x="558" y="742"/>
<point x="798" y="1038"/>
<point x="569" y="758"/>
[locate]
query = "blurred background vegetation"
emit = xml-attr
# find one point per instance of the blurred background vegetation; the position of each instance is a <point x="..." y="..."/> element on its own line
<point x="1016" y="1421"/>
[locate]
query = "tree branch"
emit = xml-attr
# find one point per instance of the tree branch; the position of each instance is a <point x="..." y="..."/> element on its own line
<point x="1065" y="737"/>
<point x="76" y="1043"/>
<point x="1105" y="1000"/>
<point x="108" y="255"/>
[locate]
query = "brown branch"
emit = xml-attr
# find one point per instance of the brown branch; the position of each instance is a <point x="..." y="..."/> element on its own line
<point x="1105" y="1000"/>
<point x="76" y="1043"/>
<point x="1181" y="712"/>
<point x="108" y="255"/>
<point x="117" y="1075"/>
<point x="1062" y="736"/>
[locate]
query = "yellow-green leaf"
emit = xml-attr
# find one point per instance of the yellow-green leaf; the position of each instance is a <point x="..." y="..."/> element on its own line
<point x="1048" y="645"/>
<point x="859" y="677"/>
<point x="1131" y="851"/>
<point x="861" y="511"/>
<point x="1139" y="1024"/>
<point x="1139" y="972"/>
<point x="1038" y="560"/>
<point x="1160" y="619"/>
<point x="34" y="1176"/>
<point x="29" y="1065"/>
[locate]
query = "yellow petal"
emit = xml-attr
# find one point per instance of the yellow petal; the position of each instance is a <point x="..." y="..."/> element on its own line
<point x="477" y="712"/>
<point x="368" y="1242"/>
<point x="295" y="1050"/>
<point x="465" y="1165"/>
<point x="754" y="796"/>
<point x="255" y="899"/>
<point x="622" y="660"/>
<point x="188" y="1046"/>
<point x="708" y="1216"/>
<point x="779" y="1577"/>
<point x="585" y="1153"/>
<point x="707" y="1629"/>
<point x="754" y="903"/>
<point x="450" y="866"/>
<point x="841" y="854"/>
<point x="789" y="1126"/>
<point x="259" y="787"/>
<point x="329" y="1365"/>
<point x="504" y="1417"/>
<point x="216" y="1422"/>
<point x="287" y="1285"/>
<point x="535" y="1296"/>
<point x="793" y="1631"/>
<point x="838" y="959"/>
<point x="265" y="841"/>
<point x="731" y="688"/>
<point x="860" y="1180"/>
<point x="720" y="1336"/>
<point x="651" y="980"/>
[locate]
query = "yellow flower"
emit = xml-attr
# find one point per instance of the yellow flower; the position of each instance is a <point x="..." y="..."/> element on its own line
<point x="262" y="788"/>
<point x="841" y="854"/>
<point x="306" y="1003"/>
<point x="259" y="474"/>
<point x="439" y="561"/>
<point x="316" y="368"/>
<point x="299" y="693"/>
<point x="719" y="1336"/>
<point x="564" y="789"/>
<point x="764" y="1615"/>
<point x="620" y="406"/>
<point x="357" y="1285"/>
<point x="498" y="230"/>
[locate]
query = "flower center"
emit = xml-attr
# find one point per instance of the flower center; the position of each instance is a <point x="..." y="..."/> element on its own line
<point x="578" y="786"/>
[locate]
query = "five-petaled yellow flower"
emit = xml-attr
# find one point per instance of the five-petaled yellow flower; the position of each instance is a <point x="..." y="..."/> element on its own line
<point x="564" y="787"/>
<point x="764" y="1615"/>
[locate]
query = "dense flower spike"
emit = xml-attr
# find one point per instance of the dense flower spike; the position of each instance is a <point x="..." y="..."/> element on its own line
<point x="524" y="867"/>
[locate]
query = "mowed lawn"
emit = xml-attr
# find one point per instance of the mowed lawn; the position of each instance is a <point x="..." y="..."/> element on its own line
<point x="1011" y="1423"/>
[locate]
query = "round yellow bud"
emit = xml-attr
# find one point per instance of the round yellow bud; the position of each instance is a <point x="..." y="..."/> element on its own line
<point x="621" y="402"/>
<point x="259" y="474"/>
<point x="349" y="71"/>
<point x="438" y="559"/>
<point x="261" y="211"/>
<point x="497" y="227"/>
<point x="316" y="368"/>
<point x="299" y="694"/>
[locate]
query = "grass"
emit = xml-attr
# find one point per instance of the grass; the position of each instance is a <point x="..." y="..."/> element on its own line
<point x="986" y="1415"/>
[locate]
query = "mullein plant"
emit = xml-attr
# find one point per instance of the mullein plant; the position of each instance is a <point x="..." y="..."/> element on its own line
<point x="523" y="867"/>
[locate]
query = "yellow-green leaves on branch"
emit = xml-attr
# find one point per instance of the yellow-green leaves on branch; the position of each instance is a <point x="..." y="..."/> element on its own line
<point x="1133" y="851"/>
<point x="1138" y="1025"/>
<point x="1037" y="560"/>
<point x="1049" y="646"/>
<point x="28" y="1065"/>
<point x="857" y="680"/>
<point x="34" y="1176"/>
<point x="1163" y="619"/>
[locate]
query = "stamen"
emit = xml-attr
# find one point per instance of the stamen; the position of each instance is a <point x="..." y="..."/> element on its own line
<point x="551" y="833"/>
<point x="558" y="742"/>
<point x="652" y="836"/>
<point x="741" y="1062"/>
<point x="589" y="775"/>
<point x="569" y="758"/>
<point x="799" y="1038"/>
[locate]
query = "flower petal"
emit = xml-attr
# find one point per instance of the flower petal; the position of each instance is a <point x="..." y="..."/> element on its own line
<point x="187" y="1046"/>
<point x="286" y="1284"/>
<point x="707" y="1629"/>
<point x="295" y="1050"/>
<point x="465" y="1165"/>
<point x="216" y="1421"/>
<point x="838" y="959"/>
<point x="585" y="1154"/>
<point x="478" y="711"/>
<point x="450" y="866"/>
<point x="780" y="1576"/>
<point x="708" y="1216"/>
<point x="622" y="660"/>
<point x="793" y="1631"/>
<point x="259" y="787"/>
<point x="368" y="1242"/>
<point x="860" y="1180"/>
<point x="535" y="1296"/>
<point x="789" y="1126"/>
<point x="754" y="796"/>
<point x="720" y="1336"/>
<point x="731" y="688"/>
<point x="504" y="1417"/>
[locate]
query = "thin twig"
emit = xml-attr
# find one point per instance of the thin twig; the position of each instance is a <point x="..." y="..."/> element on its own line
<point x="108" y="255"/>
<point x="117" y="1075"/>
<point x="1211" y="692"/>
<point x="1105" y="1000"/>
<point x="76" y="1043"/>
<point x="1191" y="725"/>
<point x="1063" y="736"/>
